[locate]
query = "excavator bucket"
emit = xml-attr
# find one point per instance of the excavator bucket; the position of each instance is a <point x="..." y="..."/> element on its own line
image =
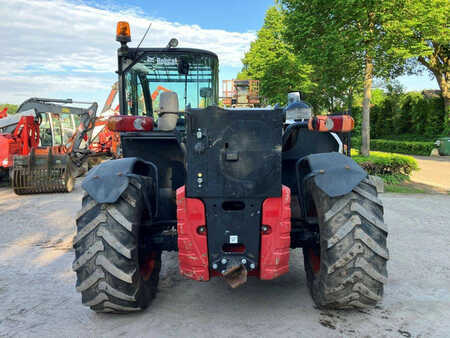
<point x="42" y="171"/>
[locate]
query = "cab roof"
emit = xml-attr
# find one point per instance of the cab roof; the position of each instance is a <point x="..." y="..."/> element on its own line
<point x="172" y="50"/>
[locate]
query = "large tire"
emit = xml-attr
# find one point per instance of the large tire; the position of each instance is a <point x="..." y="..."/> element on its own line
<point x="348" y="268"/>
<point x="113" y="273"/>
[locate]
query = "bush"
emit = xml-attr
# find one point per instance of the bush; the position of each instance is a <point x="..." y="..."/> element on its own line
<point x="410" y="137"/>
<point x="391" y="167"/>
<point x="356" y="142"/>
<point x="403" y="147"/>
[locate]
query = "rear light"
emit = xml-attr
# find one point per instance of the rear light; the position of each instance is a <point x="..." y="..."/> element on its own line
<point x="130" y="123"/>
<point x="336" y="123"/>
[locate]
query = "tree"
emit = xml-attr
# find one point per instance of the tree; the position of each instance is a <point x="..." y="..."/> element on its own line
<point x="419" y="30"/>
<point x="347" y="38"/>
<point x="12" y="108"/>
<point x="271" y="60"/>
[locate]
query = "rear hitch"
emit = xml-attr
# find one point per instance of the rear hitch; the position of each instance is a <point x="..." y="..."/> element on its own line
<point x="236" y="275"/>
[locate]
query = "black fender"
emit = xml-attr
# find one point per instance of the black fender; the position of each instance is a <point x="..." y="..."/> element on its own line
<point x="107" y="181"/>
<point x="334" y="173"/>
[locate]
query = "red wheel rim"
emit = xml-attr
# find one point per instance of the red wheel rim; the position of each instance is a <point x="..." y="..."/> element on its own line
<point x="147" y="267"/>
<point x="314" y="260"/>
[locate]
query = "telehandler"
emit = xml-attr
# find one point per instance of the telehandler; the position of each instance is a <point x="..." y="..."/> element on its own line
<point x="232" y="190"/>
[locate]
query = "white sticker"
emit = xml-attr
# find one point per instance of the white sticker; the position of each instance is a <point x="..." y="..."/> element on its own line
<point x="233" y="239"/>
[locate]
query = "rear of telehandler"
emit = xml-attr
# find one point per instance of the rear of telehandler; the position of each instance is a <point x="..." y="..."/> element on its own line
<point x="233" y="190"/>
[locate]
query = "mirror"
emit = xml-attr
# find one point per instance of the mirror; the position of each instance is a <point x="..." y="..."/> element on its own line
<point x="183" y="67"/>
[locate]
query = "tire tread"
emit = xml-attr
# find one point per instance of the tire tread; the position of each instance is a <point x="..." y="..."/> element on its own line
<point x="353" y="249"/>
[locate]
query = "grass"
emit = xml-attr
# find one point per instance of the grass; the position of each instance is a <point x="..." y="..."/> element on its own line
<point x="403" y="189"/>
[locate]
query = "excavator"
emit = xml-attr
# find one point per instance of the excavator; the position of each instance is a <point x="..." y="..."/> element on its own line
<point x="45" y="144"/>
<point x="106" y="143"/>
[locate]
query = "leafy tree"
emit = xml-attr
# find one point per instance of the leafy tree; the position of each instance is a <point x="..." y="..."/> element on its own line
<point x="420" y="30"/>
<point x="271" y="60"/>
<point x="12" y="108"/>
<point x="347" y="38"/>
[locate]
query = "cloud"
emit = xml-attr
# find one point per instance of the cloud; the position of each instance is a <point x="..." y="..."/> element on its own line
<point x="57" y="46"/>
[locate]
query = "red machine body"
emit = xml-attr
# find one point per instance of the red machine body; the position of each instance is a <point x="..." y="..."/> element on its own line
<point x="4" y="113"/>
<point x="127" y="123"/>
<point x="336" y="123"/>
<point x="276" y="240"/>
<point x="106" y="141"/>
<point x="20" y="142"/>
<point x="193" y="244"/>
<point x="192" y="240"/>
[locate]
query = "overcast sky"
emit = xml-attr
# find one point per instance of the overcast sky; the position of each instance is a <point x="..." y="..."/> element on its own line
<point x="67" y="49"/>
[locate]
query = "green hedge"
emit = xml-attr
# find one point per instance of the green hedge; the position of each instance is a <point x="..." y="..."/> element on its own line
<point x="391" y="167"/>
<point x="393" y="114"/>
<point x="410" y="138"/>
<point x="402" y="147"/>
<point x="397" y="146"/>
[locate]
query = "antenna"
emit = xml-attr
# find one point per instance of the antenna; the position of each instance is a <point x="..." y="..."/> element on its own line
<point x="145" y="34"/>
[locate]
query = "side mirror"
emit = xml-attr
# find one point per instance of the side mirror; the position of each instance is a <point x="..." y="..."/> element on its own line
<point x="205" y="92"/>
<point x="183" y="67"/>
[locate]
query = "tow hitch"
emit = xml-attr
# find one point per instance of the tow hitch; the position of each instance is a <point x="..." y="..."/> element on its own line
<point x="236" y="275"/>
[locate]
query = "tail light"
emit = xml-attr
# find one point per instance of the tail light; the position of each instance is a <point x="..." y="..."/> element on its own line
<point x="130" y="123"/>
<point x="336" y="123"/>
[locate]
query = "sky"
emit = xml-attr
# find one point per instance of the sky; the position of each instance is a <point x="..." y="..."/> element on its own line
<point x="67" y="48"/>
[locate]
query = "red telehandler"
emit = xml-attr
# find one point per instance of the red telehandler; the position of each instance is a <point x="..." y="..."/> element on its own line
<point x="232" y="190"/>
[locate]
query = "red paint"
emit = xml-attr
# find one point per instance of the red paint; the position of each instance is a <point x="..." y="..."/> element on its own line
<point x="4" y="113"/>
<point x="20" y="141"/>
<point x="107" y="141"/>
<point x="130" y="123"/>
<point x="192" y="246"/>
<point x="336" y="123"/>
<point x="233" y="248"/>
<point x="314" y="260"/>
<point x="157" y="91"/>
<point x="275" y="244"/>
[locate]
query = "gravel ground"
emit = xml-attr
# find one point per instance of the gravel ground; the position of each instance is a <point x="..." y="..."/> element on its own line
<point x="434" y="171"/>
<point x="38" y="297"/>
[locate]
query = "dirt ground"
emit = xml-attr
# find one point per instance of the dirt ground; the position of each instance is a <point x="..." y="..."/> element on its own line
<point x="38" y="297"/>
<point x="434" y="171"/>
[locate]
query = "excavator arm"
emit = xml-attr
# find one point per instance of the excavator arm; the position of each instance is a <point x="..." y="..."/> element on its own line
<point x="110" y="99"/>
<point x="73" y="146"/>
<point x="157" y="91"/>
